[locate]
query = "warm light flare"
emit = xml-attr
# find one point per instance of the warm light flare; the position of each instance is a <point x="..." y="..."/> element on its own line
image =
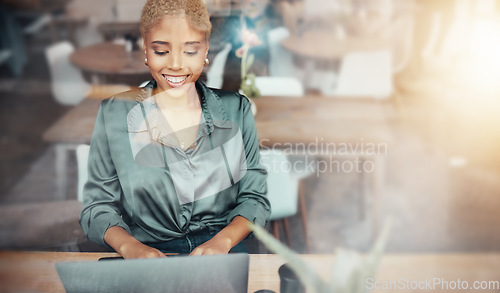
<point x="484" y="52"/>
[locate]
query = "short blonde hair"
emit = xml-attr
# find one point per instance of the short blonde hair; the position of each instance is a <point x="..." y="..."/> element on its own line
<point x="195" y="11"/>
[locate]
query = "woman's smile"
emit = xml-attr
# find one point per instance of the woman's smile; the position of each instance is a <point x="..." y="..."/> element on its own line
<point x="175" y="80"/>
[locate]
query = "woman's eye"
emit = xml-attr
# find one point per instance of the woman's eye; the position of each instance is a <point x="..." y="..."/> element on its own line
<point x="161" y="53"/>
<point x="191" y="52"/>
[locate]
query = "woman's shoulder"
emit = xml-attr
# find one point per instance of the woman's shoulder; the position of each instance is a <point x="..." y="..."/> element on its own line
<point x="224" y="94"/>
<point x="231" y="98"/>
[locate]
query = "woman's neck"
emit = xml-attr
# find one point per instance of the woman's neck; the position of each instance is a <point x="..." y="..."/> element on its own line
<point x="185" y="97"/>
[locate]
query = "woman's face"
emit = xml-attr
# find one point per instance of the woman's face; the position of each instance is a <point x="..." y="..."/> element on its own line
<point x="176" y="52"/>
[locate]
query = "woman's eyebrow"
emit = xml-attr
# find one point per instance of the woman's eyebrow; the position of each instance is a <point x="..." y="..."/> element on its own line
<point x="167" y="43"/>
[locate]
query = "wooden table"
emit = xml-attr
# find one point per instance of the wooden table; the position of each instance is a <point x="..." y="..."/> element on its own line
<point x="317" y="120"/>
<point x="108" y="59"/>
<point x="324" y="127"/>
<point x="325" y="45"/>
<point x="35" y="271"/>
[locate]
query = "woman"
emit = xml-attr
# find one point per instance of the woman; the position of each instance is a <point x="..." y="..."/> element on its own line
<point x="174" y="167"/>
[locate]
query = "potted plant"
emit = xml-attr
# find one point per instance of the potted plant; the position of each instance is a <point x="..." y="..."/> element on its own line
<point x="350" y="270"/>
<point x="247" y="85"/>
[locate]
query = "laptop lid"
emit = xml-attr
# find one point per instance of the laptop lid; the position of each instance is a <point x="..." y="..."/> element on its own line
<point x="180" y="274"/>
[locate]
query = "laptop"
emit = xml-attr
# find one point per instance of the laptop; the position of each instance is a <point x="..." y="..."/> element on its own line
<point x="179" y="274"/>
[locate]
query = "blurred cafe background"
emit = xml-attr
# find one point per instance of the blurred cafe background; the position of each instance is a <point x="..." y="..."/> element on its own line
<point x="382" y="109"/>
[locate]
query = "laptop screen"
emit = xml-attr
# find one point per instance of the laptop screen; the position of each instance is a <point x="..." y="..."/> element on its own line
<point x="189" y="274"/>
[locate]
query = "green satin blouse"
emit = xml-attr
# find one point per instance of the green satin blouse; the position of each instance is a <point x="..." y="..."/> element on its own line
<point x="141" y="179"/>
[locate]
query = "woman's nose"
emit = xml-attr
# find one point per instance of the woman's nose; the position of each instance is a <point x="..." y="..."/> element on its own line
<point x="175" y="61"/>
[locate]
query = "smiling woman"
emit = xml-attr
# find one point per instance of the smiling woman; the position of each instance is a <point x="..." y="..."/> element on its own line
<point x="175" y="52"/>
<point x="174" y="166"/>
<point x="175" y="36"/>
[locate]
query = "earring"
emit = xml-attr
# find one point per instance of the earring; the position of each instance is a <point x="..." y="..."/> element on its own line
<point x="146" y="61"/>
<point x="207" y="62"/>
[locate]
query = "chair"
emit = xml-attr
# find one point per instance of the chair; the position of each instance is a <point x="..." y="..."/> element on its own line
<point x="284" y="192"/>
<point x="215" y="75"/>
<point x="82" y="155"/>
<point x="363" y="74"/>
<point x="68" y="85"/>
<point x="280" y="60"/>
<point x="279" y="86"/>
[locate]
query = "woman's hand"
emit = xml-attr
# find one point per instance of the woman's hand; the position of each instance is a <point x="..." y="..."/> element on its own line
<point x="226" y="239"/>
<point x="216" y="245"/>
<point x="139" y="250"/>
<point x="128" y="246"/>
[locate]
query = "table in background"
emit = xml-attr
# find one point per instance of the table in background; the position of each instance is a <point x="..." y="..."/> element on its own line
<point x="282" y="120"/>
<point x="113" y="30"/>
<point x="324" y="45"/>
<point x="35" y="271"/>
<point x="105" y="59"/>
<point x="320" y="53"/>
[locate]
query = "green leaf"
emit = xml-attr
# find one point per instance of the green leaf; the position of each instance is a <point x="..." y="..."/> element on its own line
<point x="250" y="60"/>
<point x="350" y="270"/>
<point x="350" y="273"/>
<point x="307" y="275"/>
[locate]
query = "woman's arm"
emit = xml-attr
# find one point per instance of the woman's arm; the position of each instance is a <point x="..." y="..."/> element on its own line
<point x="251" y="202"/>
<point x="101" y="218"/>
<point x="226" y="239"/>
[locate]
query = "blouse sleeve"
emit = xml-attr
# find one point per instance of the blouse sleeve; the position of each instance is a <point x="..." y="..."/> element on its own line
<point x="101" y="194"/>
<point x="252" y="202"/>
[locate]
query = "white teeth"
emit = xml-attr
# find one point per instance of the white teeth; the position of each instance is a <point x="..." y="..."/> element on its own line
<point x="175" y="79"/>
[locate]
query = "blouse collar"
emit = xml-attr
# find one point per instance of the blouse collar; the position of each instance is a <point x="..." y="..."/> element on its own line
<point x="214" y="113"/>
